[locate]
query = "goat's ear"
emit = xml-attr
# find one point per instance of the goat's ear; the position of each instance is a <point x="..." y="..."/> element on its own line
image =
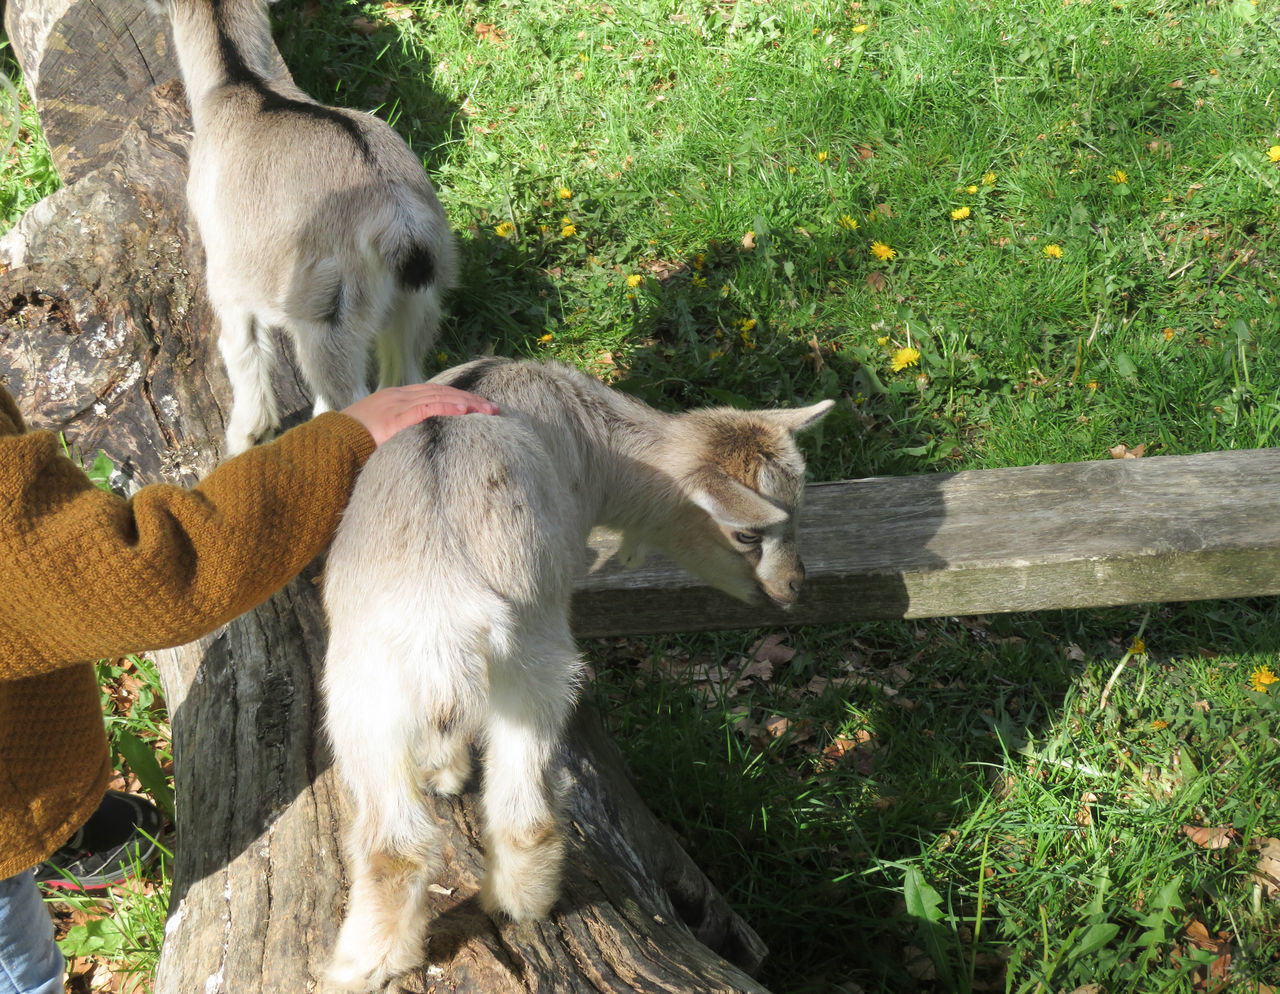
<point x="730" y="503"/>
<point x="795" y="419"/>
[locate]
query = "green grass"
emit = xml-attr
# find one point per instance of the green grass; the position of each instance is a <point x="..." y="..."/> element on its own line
<point x="958" y="807"/>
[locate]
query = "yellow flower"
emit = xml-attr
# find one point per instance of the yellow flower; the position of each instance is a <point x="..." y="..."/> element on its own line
<point x="1053" y="251"/>
<point x="546" y="339"/>
<point x="882" y="340"/>
<point x="859" y="28"/>
<point x="1119" y="176"/>
<point x="699" y="261"/>
<point x="634" y="280"/>
<point x="748" y="340"/>
<point x="747" y="324"/>
<point x="504" y="230"/>
<point x="442" y="357"/>
<point x="848" y="223"/>
<point x="1168" y="334"/>
<point x="1273" y="153"/>
<point x="882" y="251"/>
<point x="1158" y="724"/>
<point x="715" y="354"/>
<point x="988" y="179"/>
<point x="822" y="156"/>
<point x="904" y="358"/>
<point x="699" y="280"/>
<point x="1092" y="385"/>
<point x="1139" y="648"/>
<point x="564" y="193"/>
<point x="960" y="213"/>
<point x="569" y="230"/>
<point x="971" y="188"/>
<point x="1261" y="678"/>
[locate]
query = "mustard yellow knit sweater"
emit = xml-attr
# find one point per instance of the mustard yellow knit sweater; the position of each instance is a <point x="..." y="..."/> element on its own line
<point x="87" y="575"/>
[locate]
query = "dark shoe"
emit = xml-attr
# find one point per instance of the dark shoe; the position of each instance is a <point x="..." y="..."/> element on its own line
<point x="116" y="841"/>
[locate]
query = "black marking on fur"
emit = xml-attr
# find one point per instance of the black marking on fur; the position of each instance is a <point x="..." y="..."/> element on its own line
<point x="239" y="74"/>
<point x="417" y="268"/>
<point x="470" y="378"/>
<point x="430" y="436"/>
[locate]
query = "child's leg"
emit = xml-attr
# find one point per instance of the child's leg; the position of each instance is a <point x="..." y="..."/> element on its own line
<point x="30" y="962"/>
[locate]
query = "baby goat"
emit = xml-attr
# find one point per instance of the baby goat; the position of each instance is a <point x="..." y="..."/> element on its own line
<point x="447" y="591"/>
<point x="314" y="219"/>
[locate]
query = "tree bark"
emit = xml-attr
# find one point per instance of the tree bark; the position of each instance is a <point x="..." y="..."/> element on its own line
<point x="107" y="337"/>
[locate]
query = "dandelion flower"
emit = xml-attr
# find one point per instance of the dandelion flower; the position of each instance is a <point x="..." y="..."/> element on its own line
<point x="1092" y="385"/>
<point x="822" y="156"/>
<point x="699" y="281"/>
<point x="1139" y="648"/>
<point x="569" y="230"/>
<point x="748" y="339"/>
<point x="859" y="28"/>
<point x="988" y="179"/>
<point x="747" y="324"/>
<point x="564" y="193"/>
<point x="546" y="339"/>
<point x="904" y="358"/>
<point x="848" y="223"/>
<point x="634" y="280"/>
<point x="442" y="357"/>
<point x="1119" y="176"/>
<point x="1159" y="724"/>
<point x="1168" y="334"/>
<point x="882" y="251"/>
<point x="882" y="340"/>
<point x="960" y="213"/>
<point x="699" y="261"/>
<point x="1262" y="678"/>
<point x="971" y="189"/>
<point x="1053" y="251"/>
<point x="1273" y="153"/>
<point x="504" y="230"/>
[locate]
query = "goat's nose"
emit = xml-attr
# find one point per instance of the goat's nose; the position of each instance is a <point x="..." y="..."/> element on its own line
<point x="797" y="579"/>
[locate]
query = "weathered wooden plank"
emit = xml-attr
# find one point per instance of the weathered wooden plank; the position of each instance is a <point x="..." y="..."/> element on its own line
<point x="1091" y="534"/>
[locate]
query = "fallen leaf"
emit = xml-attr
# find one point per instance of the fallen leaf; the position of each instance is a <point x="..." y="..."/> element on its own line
<point x="1123" y="451"/>
<point x="772" y="649"/>
<point x="876" y="282"/>
<point x="1209" y="838"/>
<point x="364" y="27"/>
<point x="489" y="32"/>
<point x="1267" y="873"/>
<point x="749" y="241"/>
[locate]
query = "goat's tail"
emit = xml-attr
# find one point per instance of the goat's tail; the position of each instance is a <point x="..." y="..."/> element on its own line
<point x="418" y="244"/>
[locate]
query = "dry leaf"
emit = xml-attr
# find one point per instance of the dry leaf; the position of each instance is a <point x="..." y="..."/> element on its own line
<point x="490" y="32"/>
<point x="396" y="12"/>
<point x="771" y="649"/>
<point x="876" y="282"/>
<point x="1267" y="873"/>
<point x="1123" y="451"/>
<point x="1209" y="838"/>
<point x="363" y="26"/>
<point x="749" y="241"/>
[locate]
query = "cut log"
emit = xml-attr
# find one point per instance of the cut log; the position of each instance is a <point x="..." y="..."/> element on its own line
<point x="107" y="337"/>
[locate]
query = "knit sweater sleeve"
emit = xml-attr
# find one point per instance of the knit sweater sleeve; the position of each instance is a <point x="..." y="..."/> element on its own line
<point x="89" y="575"/>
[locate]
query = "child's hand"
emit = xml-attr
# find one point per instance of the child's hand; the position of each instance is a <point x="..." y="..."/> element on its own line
<point x="384" y="413"/>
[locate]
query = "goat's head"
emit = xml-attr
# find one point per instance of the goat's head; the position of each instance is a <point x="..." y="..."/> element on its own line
<point x="743" y="478"/>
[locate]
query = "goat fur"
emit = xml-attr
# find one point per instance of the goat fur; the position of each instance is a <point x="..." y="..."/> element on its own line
<point x="447" y="590"/>
<point x="317" y="220"/>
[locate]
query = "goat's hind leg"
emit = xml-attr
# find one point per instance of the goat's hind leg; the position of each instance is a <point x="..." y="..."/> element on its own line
<point x="393" y="854"/>
<point x="249" y="355"/>
<point x="333" y="355"/>
<point x="523" y="788"/>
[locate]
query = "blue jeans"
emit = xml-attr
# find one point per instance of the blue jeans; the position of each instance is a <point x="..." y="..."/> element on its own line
<point x="30" y="962"/>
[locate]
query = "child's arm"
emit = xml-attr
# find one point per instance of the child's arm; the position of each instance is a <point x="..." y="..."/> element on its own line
<point x="85" y="574"/>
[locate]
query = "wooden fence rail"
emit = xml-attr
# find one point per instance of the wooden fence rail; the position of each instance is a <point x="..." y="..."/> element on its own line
<point x="1090" y="534"/>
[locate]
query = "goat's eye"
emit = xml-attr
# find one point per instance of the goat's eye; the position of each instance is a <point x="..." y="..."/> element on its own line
<point x="747" y="538"/>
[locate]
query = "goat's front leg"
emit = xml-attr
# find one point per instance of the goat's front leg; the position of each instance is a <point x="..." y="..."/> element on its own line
<point x="523" y="789"/>
<point x="249" y="355"/>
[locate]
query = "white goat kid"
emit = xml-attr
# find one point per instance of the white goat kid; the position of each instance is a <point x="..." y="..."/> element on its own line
<point x="314" y="219"/>
<point x="447" y="590"/>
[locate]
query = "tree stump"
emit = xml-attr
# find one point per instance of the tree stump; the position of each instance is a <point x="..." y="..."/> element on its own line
<point x="107" y="336"/>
